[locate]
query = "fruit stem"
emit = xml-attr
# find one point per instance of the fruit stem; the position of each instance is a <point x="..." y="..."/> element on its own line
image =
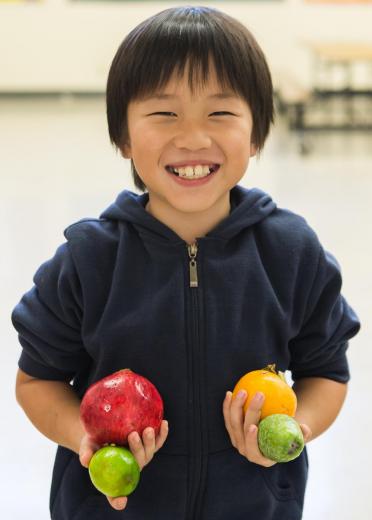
<point x="272" y="369"/>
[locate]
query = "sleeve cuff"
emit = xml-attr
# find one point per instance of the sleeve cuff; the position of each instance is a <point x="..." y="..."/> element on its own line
<point x="337" y="371"/>
<point x="35" y="369"/>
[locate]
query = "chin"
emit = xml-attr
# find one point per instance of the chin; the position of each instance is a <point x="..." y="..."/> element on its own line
<point x="192" y="206"/>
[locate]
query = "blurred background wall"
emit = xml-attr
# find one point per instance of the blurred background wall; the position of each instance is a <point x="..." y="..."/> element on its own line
<point x="55" y="45"/>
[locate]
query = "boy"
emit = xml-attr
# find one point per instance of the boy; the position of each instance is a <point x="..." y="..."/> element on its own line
<point x="191" y="284"/>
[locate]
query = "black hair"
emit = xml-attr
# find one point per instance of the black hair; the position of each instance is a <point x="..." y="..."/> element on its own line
<point x="164" y="43"/>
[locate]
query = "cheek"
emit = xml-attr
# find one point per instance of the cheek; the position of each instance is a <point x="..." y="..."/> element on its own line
<point x="146" y="146"/>
<point x="238" y="143"/>
<point x="148" y="137"/>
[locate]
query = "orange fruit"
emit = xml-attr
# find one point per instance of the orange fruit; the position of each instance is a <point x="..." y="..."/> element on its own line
<point x="279" y="396"/>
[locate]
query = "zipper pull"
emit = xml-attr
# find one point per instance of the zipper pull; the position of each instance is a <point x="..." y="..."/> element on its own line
<point x="193" y="250"/>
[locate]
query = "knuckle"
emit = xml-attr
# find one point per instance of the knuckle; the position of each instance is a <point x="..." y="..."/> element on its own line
<point x="235" y="423"/>
<point x="136" y="447"/>
<point x="252" y="407"/>
<point x="149" y="451"/>
<point x="255" y="405"/>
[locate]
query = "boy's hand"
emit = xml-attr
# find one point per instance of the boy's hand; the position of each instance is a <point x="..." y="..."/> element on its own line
<point x="243" y="430"/>
<point x="142" y="449"/>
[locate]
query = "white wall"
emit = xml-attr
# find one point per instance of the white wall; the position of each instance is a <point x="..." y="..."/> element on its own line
<point x="61" y="45"/>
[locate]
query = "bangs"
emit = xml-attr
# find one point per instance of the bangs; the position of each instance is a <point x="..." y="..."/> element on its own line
<point x="172" y="50"/>
<point x="172" y="47"/>
<point x="197" y="67"/>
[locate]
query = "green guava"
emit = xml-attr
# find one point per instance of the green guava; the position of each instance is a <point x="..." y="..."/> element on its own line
<point x="280" y="438"/>
<point x="114" y="471"/>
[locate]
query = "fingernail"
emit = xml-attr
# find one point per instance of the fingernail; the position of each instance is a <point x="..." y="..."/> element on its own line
<point x="242" y="394"/>
<point x="252" y="428"/>
<point x="259" y="396"/>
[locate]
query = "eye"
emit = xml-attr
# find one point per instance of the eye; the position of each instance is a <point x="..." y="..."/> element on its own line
<point x="161" y="113"/>
<point x="223" y="113"/>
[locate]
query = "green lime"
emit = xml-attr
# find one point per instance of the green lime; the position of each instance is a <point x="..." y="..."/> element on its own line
<point x="114" y="471"/>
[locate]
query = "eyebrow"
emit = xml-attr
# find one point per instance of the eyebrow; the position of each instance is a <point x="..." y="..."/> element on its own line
<point x="217" y="95"/>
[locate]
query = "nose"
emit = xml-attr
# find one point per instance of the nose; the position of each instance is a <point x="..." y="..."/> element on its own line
<point x="192" y="135"/>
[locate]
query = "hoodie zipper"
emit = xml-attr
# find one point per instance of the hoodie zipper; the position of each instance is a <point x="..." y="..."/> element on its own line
<point x="193" y="251"/>
<point x="198" y="440"/>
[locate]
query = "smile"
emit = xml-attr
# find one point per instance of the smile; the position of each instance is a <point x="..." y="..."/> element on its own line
<point x="193" y="172"/>
<point x="193" y="181"/>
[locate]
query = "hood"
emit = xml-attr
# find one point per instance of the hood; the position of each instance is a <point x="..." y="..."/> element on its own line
<point x="248" y="206"/>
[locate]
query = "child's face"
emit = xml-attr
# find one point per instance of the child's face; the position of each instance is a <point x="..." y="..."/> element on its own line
<point x="189" y="128"/>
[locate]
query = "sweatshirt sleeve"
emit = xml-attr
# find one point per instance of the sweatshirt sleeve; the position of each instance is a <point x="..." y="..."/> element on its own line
<point x="319" y="349"/>
<point x="48" y="321"/>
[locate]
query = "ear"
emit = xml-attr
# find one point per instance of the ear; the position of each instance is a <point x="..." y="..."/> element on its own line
<point x="126" y="151"/>
<point x="253" y="150"/>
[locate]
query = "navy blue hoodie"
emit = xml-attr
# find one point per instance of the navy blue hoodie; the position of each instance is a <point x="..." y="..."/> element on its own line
<point x="125" y="291"/>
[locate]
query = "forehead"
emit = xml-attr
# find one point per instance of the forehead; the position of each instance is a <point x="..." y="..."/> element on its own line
<point x="196" y="83"/>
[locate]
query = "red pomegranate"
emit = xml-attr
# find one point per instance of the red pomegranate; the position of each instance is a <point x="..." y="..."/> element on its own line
<point x="119" y="404"/>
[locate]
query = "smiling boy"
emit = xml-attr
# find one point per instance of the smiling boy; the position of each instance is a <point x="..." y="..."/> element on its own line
<point x="192" y="284"/>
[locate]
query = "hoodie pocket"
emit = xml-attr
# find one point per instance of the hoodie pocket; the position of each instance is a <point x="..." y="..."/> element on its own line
<point x="97" y="507"/>
<point x="287" y="481"/>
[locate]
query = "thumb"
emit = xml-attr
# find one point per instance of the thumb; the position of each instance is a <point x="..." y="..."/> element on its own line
<point x="84" y="456"/>
<point x="306" y="432"/>
<point x="86" y="451"/>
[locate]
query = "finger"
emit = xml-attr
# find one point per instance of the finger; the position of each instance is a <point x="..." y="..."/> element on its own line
<point x="253" y="413"/>
<point x="87" y="449"/>
<point x="85" y="454"/>
<point x="163" y="434"/>
<point x="137" y="448"/>
<point x="226" y="415"/>
<point x="251" y="420"/>
<point x="237" y="419"/>
<point x="306" y="432"/>
<point x="118" y="502"/>
<point x="253" y="451"/>
<point x="148" y="437"/>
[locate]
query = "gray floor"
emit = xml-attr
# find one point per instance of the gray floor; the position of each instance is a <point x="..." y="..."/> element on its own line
<point x="56" y="166"/>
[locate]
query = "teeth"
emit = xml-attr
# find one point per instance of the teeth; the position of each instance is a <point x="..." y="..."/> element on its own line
<point x="190" y="172"/>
